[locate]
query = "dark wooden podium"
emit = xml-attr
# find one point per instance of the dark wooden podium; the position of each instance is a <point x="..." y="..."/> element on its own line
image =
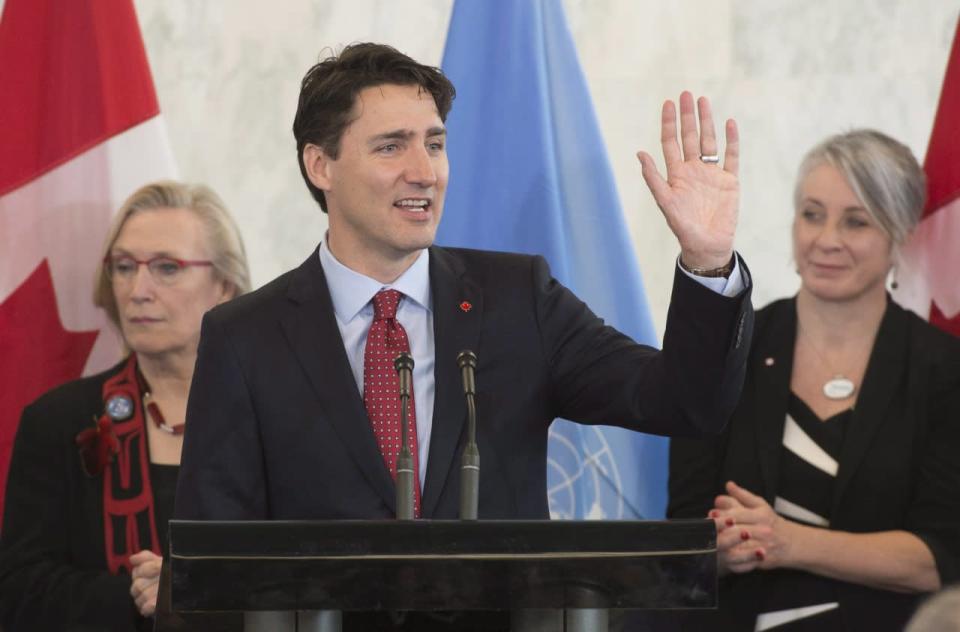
<point x="530" y="571"/>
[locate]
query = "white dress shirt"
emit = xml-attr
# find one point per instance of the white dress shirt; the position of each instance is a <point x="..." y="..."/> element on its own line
<point x="352" y="295"/>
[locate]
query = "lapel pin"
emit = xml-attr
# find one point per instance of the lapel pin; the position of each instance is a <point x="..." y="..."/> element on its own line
<point x="119" y="408"/>
<point x="768" y="362"/>
<point x="466" y="306"/>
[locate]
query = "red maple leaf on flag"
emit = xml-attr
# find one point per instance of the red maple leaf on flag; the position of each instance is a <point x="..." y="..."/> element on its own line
<point x="951" y="325"/>
<point x="36" y="353"/>
<point x="930" y="259"/>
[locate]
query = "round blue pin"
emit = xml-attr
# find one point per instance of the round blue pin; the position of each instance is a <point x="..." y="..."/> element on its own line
<point x="119" y="408"/>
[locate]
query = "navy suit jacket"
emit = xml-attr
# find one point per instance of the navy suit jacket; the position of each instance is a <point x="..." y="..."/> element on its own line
<point x="276" y="427"/>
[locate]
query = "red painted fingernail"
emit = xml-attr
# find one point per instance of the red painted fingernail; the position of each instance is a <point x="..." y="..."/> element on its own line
<point x="713" y="513"/>
<point x="759" y="554"/>
<point x="744" y="535"/>
<point x="729" y="522"/>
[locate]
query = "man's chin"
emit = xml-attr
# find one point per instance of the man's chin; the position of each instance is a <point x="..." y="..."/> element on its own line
<point x="420" y="241"/>
<point x="418" y="246"/>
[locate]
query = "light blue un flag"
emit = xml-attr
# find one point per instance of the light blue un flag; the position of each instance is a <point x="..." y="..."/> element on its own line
<point x="530" y="174"/>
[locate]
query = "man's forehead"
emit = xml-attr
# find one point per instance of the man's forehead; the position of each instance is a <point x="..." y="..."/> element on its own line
<point x="381" y="97"/>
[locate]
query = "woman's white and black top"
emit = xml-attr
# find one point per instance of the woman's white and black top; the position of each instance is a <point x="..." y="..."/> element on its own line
<point x="808" y="471"/>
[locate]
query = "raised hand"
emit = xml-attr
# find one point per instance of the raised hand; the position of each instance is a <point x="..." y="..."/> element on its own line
<point x="699" y="199"/>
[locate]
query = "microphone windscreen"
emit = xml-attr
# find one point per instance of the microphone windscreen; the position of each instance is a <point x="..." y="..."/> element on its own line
<point x="467" y="359"/>
<point x="403" y="361"/>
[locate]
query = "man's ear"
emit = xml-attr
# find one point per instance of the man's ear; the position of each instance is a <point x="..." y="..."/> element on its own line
<point x="316" y="163"/>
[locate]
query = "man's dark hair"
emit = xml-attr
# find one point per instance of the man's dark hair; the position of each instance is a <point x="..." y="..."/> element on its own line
<point x="329" y="89"/>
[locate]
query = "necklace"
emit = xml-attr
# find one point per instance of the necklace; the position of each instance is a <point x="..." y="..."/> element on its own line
<point x="154" y="411"/>
<point x="838" y="387"/>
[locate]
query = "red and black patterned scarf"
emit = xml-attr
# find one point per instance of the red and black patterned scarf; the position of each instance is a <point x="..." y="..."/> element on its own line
<point x="117" y="448"/>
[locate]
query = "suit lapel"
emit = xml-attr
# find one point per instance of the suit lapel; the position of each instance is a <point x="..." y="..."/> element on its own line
<point x="457" y="317"/>
<point x="773" y="364"/>
<point x="310" y="327"/>
<point x="881" y="381"/>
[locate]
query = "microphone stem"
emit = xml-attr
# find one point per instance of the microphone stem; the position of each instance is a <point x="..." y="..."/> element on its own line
<point x="470" y="466"/>
<point x="471" y="419"/>
<point x="405" y="489"/>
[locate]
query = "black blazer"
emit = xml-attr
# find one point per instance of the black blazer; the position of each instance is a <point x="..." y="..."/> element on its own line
<point x="898" y="467"/>
<point x="53" y="569"/>
<point x="277" y="428"/>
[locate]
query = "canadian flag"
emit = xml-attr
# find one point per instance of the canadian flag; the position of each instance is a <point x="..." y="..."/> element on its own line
<point x="80" y="130"/>
<point x="929" y="275"/>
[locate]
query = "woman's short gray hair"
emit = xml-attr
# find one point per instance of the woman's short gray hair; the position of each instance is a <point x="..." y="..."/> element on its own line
<point x="939" y="613"/>
<point x="882" y="172"/>
<point x="229" y="257"/>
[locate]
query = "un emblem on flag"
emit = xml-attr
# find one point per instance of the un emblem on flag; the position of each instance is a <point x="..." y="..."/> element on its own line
<point x="583" y="480"/>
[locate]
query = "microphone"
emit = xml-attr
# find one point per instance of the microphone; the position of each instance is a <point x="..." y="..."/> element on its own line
<point x="467" y="361"/>
<point x="470" y="460"/>
<point x="403" y="363"/>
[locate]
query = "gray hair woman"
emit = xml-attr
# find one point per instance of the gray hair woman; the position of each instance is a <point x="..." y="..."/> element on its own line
<point x="835" y="488"/>
<point x="940" y="613"/>
<point x="95" y="462"/>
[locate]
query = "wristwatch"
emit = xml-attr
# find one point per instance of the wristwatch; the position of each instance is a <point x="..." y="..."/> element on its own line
<point x="723" y="271"/>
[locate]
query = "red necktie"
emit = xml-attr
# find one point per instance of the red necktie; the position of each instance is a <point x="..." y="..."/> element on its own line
<point x="381" y="386"/>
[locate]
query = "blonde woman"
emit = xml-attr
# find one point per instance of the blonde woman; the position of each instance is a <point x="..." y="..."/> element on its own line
<point x="95" y="462"/>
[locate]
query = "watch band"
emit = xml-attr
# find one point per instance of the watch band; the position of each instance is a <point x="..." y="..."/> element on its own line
<point x="723" y="271"/>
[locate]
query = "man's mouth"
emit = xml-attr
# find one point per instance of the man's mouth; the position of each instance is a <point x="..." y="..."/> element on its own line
<point x="415" y="205"/>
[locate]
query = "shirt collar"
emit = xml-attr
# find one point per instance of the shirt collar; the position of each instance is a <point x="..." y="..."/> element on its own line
<point x="351" y="291"/>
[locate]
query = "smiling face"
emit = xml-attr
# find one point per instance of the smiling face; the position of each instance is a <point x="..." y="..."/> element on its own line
<point x="385" y="190"/>
<point x="841" y="252"/>
<point x="157" y="318"/>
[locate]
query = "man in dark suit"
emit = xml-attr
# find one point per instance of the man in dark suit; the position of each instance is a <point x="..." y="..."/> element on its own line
<point x="286" y="419"/>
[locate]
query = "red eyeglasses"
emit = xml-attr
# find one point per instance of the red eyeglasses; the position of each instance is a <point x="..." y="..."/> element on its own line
<point x="163" y="269"/>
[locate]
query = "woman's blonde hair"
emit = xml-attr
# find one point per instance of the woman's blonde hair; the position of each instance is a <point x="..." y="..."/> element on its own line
<point x="228" y="256"/>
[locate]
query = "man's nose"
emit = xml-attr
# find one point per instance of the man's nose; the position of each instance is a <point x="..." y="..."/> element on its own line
<point x="420" y="168"/>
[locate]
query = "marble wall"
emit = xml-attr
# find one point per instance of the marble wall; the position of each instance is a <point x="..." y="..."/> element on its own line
<point x="790" y="72"/>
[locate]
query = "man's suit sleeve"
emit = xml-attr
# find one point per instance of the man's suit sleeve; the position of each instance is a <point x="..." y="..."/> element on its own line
<point x="222" y="467"/>
<point x="694" y="482"/>
<point x="600" y="376"/>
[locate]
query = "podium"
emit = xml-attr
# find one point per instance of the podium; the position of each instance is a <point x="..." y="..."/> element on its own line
<point x="536" y="574"/>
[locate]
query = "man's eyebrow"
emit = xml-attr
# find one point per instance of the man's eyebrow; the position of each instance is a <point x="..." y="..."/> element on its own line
<point x="404" y="134"/>
<point x="397" y="134"/>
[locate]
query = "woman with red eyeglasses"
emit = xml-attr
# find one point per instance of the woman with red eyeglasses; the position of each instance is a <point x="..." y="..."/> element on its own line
<point x="94" y="467"/>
